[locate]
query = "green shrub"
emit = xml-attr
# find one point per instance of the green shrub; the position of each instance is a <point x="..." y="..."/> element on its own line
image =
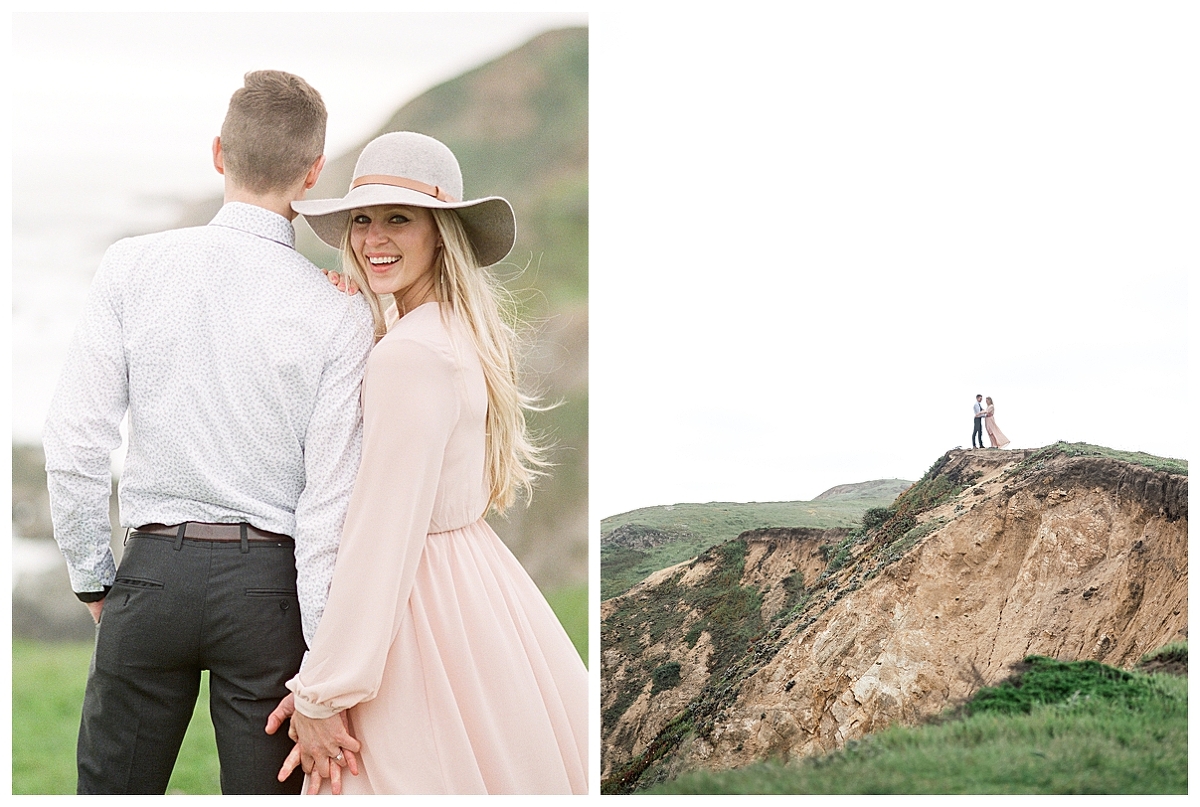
<point x="665" y="676"/>
<point x="874" y="517"/>
<point x="1046" y="681"/>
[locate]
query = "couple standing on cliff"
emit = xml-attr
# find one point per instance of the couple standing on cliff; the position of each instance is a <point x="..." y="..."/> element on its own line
<point x="987" y="414"/>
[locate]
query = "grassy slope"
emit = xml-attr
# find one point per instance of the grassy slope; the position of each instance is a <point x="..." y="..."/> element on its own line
<point x="700" y="526"/>
<point x="47" y="690"/>
<point x="1110" y="733"/>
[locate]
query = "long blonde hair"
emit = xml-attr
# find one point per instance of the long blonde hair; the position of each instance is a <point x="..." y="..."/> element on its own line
<point x="513" y="460"/>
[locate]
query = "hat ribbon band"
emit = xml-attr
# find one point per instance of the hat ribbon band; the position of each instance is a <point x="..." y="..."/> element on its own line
<point x="403" y="182"/>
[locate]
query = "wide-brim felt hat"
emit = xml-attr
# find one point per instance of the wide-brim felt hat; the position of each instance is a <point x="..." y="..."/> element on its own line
<point x="408" y="168"/>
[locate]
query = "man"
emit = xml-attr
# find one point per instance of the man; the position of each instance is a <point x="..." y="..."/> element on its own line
<point x="239" y="365"/>
<point x="978" y="432"/>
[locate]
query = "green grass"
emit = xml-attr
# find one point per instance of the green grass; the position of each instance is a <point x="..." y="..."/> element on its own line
<point x="1175" y="651"/>
<point x="1080" y="728"/>
<point x="47" y="691"/>
<point x="48" y="681"/>
<point x="571" y="607"/>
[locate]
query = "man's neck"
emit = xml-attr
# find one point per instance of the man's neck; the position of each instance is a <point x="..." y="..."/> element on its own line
<point x="280" y="203"/>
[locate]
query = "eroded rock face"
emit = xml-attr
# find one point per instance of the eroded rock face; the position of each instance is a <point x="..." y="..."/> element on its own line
<point x="1076" y="558"/>
<point x="639" y="536"/>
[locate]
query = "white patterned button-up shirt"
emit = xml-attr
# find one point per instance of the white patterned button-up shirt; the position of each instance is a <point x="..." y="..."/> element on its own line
<point x="240" y="366"/>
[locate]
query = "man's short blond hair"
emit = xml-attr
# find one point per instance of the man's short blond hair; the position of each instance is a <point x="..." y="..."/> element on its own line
<point x="274" y="131"/>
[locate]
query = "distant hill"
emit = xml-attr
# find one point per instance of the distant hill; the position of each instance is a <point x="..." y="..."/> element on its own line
<point x="877" y="489"/>
<point x="634" y="544"/>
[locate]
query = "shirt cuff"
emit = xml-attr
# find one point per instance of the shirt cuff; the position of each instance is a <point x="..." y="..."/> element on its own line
<point x="93" y="596"/>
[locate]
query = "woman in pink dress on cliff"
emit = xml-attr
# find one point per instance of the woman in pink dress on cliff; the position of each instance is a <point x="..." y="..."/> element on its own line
<point x="989" y="423"/>
<point x="436" y="650"/>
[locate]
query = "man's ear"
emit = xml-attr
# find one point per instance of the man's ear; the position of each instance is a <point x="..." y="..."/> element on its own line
<point x="314" y="173"/>
<point x="218" y="155"/>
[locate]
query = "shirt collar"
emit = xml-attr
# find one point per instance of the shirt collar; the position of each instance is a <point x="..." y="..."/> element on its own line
<point x="257" y="221"/>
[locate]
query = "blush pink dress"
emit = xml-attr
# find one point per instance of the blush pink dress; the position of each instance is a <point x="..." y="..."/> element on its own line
<point x="456" y="673"/>
<point x="994" y="434"/>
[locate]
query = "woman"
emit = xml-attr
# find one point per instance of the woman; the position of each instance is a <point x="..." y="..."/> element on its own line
<point x="435" y="646"/>
<point x="994" y="434"/>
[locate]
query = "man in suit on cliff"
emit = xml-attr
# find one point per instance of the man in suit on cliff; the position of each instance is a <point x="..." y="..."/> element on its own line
<point x="978" y="432"/>
<point x="239" y="367"/>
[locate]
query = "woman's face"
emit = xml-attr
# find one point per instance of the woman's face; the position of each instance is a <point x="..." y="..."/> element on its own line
<point x="397" y="246"/>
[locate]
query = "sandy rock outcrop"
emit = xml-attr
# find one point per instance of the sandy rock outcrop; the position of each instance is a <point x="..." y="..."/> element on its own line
<point x="1069" y="557"/>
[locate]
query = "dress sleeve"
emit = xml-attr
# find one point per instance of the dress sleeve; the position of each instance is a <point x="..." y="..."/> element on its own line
<point x="410" y="407"/>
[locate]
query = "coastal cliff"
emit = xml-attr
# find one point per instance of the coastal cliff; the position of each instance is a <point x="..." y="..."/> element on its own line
<point x="785" y="643"/>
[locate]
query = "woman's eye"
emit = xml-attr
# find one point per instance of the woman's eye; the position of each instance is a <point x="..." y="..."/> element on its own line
<point x="361" y="219"/>
<point x="398" y="219"/>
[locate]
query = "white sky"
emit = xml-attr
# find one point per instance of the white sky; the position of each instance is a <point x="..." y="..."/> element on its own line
<point x="816" y="236"/>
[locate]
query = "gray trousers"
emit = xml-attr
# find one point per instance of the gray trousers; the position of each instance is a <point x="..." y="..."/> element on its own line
<point x="176" y="608"/>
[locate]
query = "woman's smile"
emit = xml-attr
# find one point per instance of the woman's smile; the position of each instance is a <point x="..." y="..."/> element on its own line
<point x="397" y="247"/>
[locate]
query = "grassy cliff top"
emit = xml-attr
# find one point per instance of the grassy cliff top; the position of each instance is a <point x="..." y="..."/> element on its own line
<point x="1154" y="463"/>
<point x="681" y="531"/>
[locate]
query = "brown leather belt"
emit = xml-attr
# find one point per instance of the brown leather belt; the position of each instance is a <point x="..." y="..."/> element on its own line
<point x="200" y="531"/>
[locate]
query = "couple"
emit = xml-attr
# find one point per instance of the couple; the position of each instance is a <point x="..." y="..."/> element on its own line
<point x="987" y="416"/>
<point x="328" y="564"/>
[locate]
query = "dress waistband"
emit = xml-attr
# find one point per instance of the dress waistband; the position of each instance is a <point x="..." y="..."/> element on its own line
<point x="460" y="528"/>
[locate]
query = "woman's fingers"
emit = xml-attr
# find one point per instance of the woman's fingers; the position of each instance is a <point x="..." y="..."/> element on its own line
<point x="289" y="764"/>
<point x="351" y="760"/>
<point x="314" y="782"/>
<point x="335" y="779"/>
<point x="343" y="282"/>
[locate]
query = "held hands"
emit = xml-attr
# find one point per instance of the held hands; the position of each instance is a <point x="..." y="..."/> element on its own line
<point x="323" y="747"/>
<point x="343" y="282"/>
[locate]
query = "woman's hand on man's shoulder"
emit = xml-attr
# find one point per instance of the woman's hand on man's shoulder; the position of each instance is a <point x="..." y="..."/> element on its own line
<point x="343" y="282"/>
